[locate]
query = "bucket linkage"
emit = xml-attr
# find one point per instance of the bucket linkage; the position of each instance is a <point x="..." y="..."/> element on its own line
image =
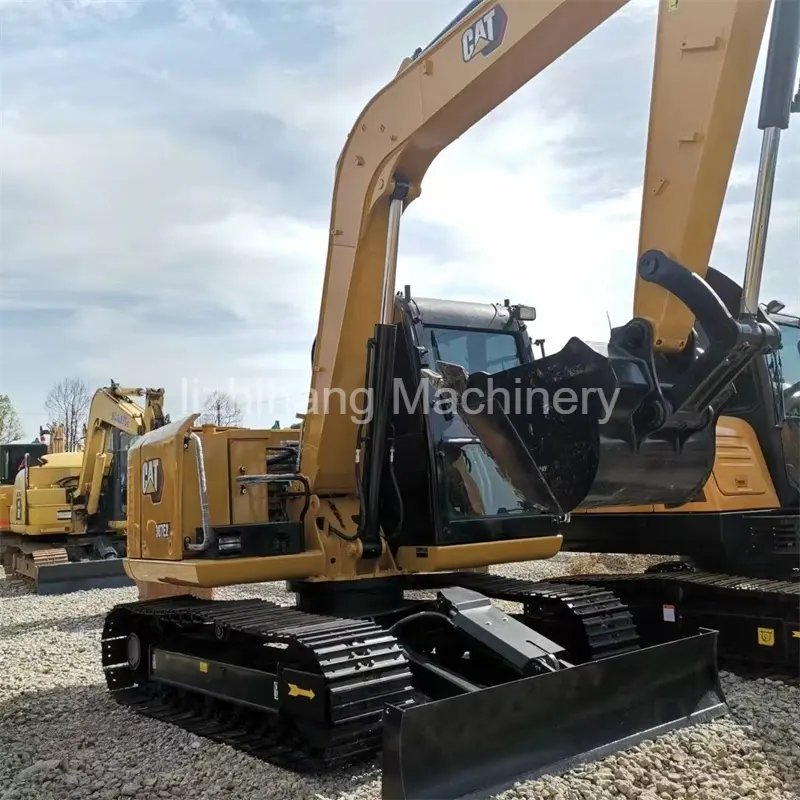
<point x="578" y="429"/>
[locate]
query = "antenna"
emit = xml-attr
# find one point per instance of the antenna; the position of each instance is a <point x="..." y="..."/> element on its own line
<point x="608" y="317"/>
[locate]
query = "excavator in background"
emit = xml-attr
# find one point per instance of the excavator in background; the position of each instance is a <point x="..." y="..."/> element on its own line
<point x="67" y="516"/>
<point x="738" y="537"/>
<point x="12" y="460"/>
<point x="424" y="486"/>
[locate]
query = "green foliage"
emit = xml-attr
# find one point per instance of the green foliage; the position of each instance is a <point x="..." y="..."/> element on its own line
<point x="10" y="425"/>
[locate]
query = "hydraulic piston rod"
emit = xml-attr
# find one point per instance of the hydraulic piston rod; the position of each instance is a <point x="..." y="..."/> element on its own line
<point x="396" y="204"/>
<point x="776" y="101"/>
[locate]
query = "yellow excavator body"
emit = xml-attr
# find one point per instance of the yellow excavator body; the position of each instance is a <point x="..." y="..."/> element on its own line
<point x="369" y="503"/>
<point x="41" y="504"/>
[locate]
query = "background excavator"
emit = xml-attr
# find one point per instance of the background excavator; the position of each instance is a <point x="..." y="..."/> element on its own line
<point x="459" y="696"/>
<point x="66" y="525"/>
<point x="739" y="536"/>
<point x="12" y="460"/>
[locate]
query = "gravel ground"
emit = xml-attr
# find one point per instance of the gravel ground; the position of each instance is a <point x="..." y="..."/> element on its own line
<point x="62" y="737"/>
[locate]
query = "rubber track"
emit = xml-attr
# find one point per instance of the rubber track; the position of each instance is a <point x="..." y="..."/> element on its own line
<point x="604" y="623"/>
<point x="363" y="664"/>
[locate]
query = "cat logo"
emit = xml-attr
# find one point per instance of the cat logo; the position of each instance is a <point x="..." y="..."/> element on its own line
<point x="486" y="34"/>
<point x="152" y="479"/>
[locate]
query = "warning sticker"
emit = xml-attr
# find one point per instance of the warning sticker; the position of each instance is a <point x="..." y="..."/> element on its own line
<point x="668" y="613"/>
<point x="766" y="637"/>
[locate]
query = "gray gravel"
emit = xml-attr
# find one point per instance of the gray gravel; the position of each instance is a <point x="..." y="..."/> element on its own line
<point x="62" y="737"/>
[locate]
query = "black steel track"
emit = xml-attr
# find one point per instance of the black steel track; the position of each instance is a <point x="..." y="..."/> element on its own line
<point x="589" y="622"/>
<point x="362" y="667"/>
<point x="758" y="619"/>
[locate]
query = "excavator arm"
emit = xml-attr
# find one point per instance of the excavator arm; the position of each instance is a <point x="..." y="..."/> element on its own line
<point x="113" y="409"/>
<point x="705" y="59"/>
<point x="704" y="63"/>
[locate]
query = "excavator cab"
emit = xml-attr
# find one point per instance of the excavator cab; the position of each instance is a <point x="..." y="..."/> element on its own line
<point x="787" y="378"/>
<point x="790" y="357"/>
<point x="113" y="497"/>
<point x="12" y="459"/>
<point x="463" y="496"/>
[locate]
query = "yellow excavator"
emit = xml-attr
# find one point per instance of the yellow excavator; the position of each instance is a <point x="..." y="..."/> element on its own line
<point x="434" y="479"/>
<point x="67" y="516"/>
<point x="12" y="460"/>
<point x="739" y="534"/>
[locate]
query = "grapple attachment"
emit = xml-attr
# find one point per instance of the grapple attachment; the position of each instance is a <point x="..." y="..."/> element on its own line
<point x="486" y="740"/>
<point x="582" y="429"/>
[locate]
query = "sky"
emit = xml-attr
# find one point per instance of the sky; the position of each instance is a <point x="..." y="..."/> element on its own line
<point x="167" y="169"/>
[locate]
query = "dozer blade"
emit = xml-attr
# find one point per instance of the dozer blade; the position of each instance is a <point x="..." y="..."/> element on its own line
<point x="485" y="741"/>
<point x="77" y="576"/>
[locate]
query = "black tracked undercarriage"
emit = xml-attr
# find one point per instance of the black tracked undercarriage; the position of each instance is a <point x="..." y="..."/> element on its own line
<point x="758" y="619"/>
<point x="456" y="692"/>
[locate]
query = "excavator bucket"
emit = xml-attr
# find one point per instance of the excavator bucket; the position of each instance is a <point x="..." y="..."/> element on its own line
<point x="583" y="429"/>
<point x="486" y="740"/>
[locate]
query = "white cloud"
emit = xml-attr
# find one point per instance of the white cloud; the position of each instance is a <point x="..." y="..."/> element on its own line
<point x="180" y="164"/>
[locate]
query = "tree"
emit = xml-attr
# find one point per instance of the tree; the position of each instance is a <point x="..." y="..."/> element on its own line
<point x="222" y="410"/>
<point x="10" y="426"/>
<point x="68" y="405"/>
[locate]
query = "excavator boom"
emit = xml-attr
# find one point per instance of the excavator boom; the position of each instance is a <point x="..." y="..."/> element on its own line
<point x="692" y="139"/>
<point x="112" y="410"/>
<point x="704" y="62"/>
